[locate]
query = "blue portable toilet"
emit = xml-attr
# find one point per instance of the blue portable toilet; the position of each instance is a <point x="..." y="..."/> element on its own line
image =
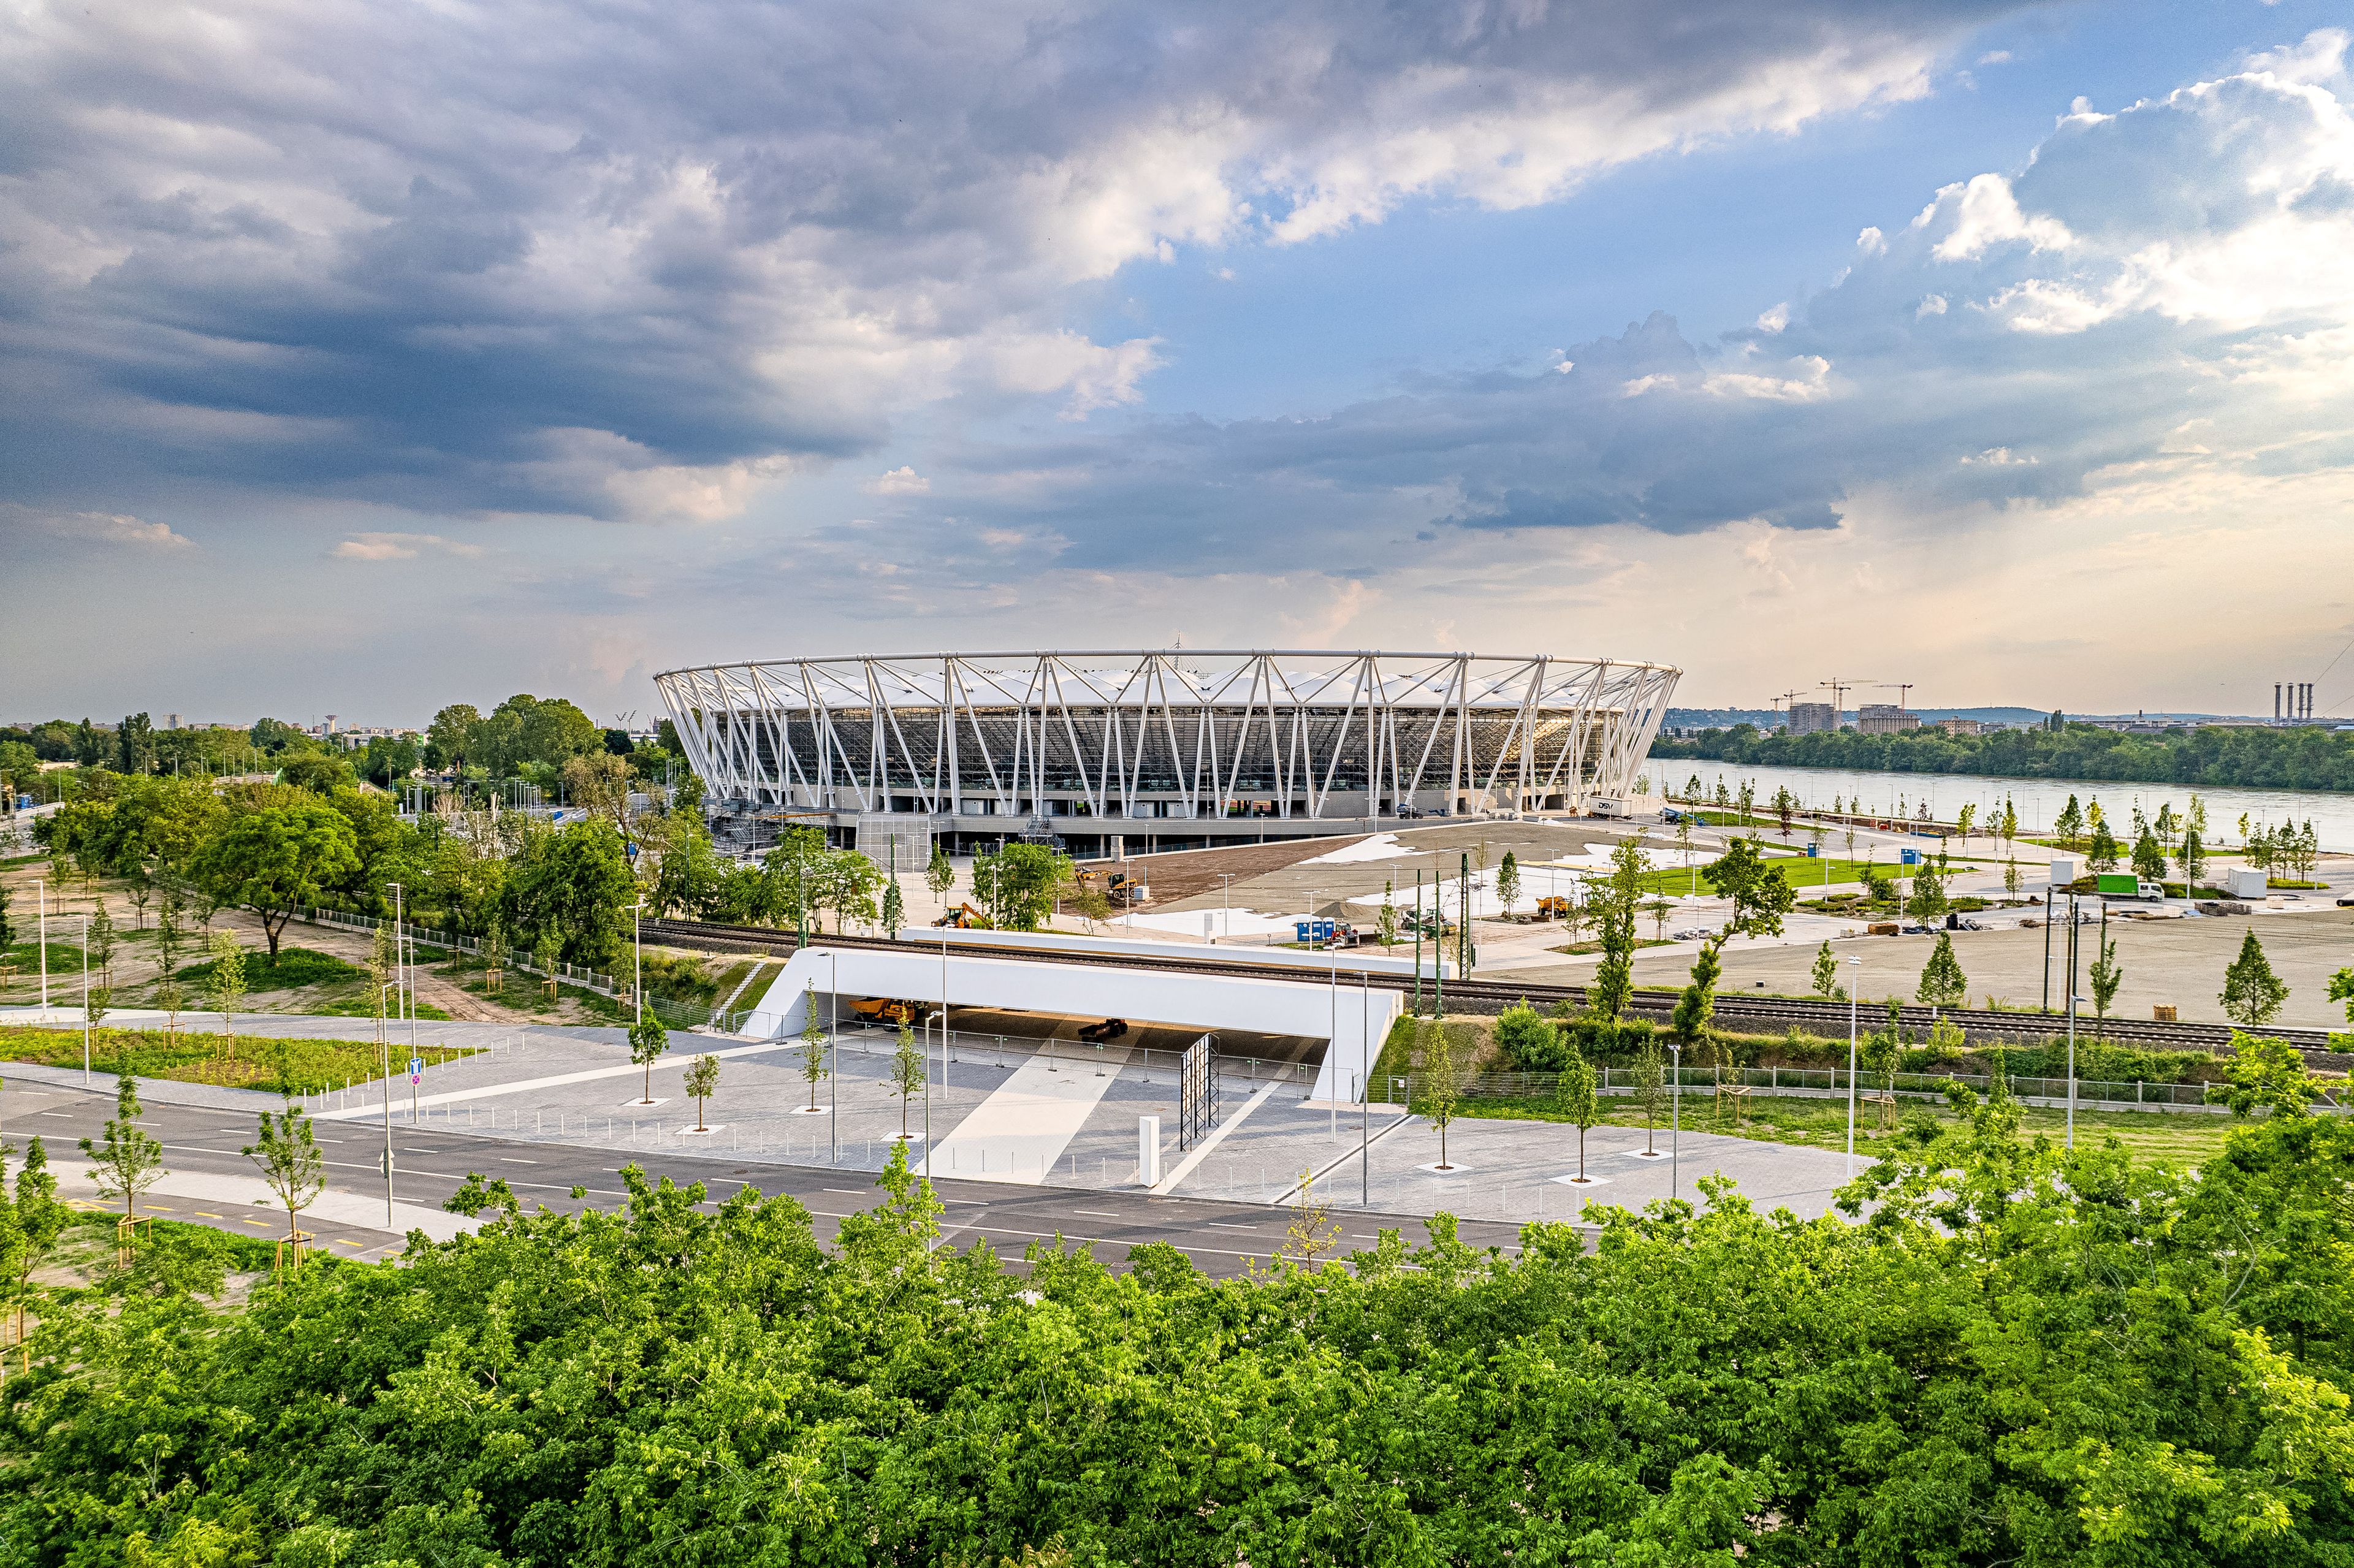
<point x="1812" y="850"/>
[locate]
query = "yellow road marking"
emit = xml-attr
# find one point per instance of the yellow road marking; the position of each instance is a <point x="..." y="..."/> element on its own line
<point x="208" y="1214"/>
<point x="156" y="1209"/>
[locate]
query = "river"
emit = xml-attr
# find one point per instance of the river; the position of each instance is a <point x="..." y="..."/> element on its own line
<point x="2037" y="799"/>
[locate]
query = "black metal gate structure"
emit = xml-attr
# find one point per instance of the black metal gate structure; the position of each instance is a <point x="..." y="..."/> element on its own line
<point x="1197" y="1094"/>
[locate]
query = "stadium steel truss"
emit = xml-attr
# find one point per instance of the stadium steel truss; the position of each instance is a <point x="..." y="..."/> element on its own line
<point x="1209" y="739"/>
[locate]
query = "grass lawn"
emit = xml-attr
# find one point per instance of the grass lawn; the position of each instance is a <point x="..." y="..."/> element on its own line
<point x="1580" y="949"/>
<point x="190" y="1056"/>
<point x="65" y="959"/>
<point x="293" y="969"/>
<point x="2151" y="1138"/>
<point x="1797" y="870"/>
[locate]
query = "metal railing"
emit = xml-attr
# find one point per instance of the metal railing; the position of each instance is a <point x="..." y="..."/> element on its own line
<point x="1818" y="1082"/>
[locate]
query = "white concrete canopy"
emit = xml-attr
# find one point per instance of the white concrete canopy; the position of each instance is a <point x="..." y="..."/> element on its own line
<point x="1352" y="1021"/>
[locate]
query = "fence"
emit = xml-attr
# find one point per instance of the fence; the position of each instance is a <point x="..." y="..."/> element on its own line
<point x="1823" y="1081"/>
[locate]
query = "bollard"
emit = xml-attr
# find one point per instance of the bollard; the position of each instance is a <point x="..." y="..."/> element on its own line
<point x="1147" y="1151"/>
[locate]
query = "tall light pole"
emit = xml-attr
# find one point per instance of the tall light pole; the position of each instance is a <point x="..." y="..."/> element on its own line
<point x="41" y="895"/>
<point x="1365" y="1090"/>
<point x="85" y="1002"/>
<point x="833" y="1059"/>
<point x="1676" y="1122"/>
<point x="1225" y="915"/>
<point x="384" y="1043"/>
<point x="637" y="961"/>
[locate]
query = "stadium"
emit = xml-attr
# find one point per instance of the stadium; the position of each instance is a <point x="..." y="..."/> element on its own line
<point x="1145" y="750"/>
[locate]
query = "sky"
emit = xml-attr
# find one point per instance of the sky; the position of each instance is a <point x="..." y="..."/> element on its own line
<point x="358" y="358"/>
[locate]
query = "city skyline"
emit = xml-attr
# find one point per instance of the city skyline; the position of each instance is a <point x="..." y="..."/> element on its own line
<point x="1997" y="344"/>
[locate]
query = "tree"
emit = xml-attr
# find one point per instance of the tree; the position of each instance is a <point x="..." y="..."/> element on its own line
<point x="1881" y="1051"/>
<point x="1528" y="1040"/>
<point x="1786" y="805"/>
<point x="1017" y="885"/>
<point x="1968" y="815"/>
<point x="814" y="1038"/>
<point x="2341" y="988"/>
<point x="908" y="1075"/>
<point x="316" y="771"/>
<point x="226" y="985"/>
<point x="1385" y="919"/>
<point x="127" y="1161"/>
<point x="96" y="1006"/>
<point x="1942" y="984"/>
<point x="2104" y="851"/>
<point x="1614" y="908"/>
<point x="2070" y="822"/>
<point x="2191" y="860"/>
<point x="134" y="745"/>
<point x="40" y="1221"/>
<point x="1508" y="883"/>
<point x="1650" y="1087"/>
<point x="2266" y="1074"/>
<point x="575" y="880"/>
<point x="648" y="1041"/>
<point x="2009" y="821"/>
<point x="102" y="943"/>
<point x="292" y="1164"/>
<point x="1928" y="902"/>
<point x="1825" y="974"/>
<point x="2106" y="978"/>
<point x="1442" y="1080"/>
<point x="1660" y="908"/>
<point x="451" y="735"/>
<point x="1574" y="1096"/>
<point x="702" y="1082"/>
<point x="895" y="908"/>
<point x="598" y="782"/>
<point x="277" y="859"/>
<point x="1696" y="1007"/>
<point x="1760" y="895"/>
<point x="2011" y="875"/>
<point x="7" y="928"/>
<point x="2253" y="995"/>
<point x="1312" y="1230"/>
<point x="939" y="875"/>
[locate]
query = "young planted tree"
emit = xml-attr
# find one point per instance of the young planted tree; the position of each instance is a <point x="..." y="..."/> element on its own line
<point x="40" y="1221"/>
<point x="1825" y="974"/>
<point x="894" y="906"/>
<point x="1969" y="815"/>
<point x="813" y="1067"/>
<point x="291" y="1165"/>
<point x="171" y="940"/>
<point x="1442" y="1080"/>
<point x="702" y="1082"/>
<point x="545" y="954"/>
<point x="1313" y="1230"/>
<point x="1696" y="1008"/>
<point x="907" y="1075"/>
<point x="648" y="1041"/>
<point x="1385" y="920"/>
<point x="1660" y="909"/>
<point x="2253" y="995"/>
<point x="1650" y="1087"/>
<point x="939" y="875"/>
<point x="2341" y="988"/>
<point x="1879" y="1052"/>
<point x="1786" y="806"/>
<point x="2268" y="1075"/>
<point x="2069" y="825"/>
<point x="1576" y="1098"/>
<point x="2103" y="851"/>
<point x="2191" y="860"/>
<point x="2148" y="857"/>
<point x="2106" y="977"/>
<point x="1508" y="883"/>
<point x="1615" y="908"/>
<point x="2011" y="876"/>
<point x="98" y="1004"/>
<point x="125" y="1161"/>
<point x="1942" y="984"/>
<point x="102" y="943"/>
<point x="1928" y="902"/>
<point x="224" y="987"/>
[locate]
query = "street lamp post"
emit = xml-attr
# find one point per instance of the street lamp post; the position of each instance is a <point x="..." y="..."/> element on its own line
<point x="832" y="1060"/>
<point x="1676" y="1121"/>
<point x="638" y="960"/>
<point x="85" y="1002"/>
<point x="1364" y="1091"/>
<point x="41" y="895"/>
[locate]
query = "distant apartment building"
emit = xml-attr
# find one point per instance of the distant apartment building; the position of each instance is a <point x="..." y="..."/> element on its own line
<point x="1811" y="718"/>
<point x="1884" y="718"/>
<point x="1961" y="726"/>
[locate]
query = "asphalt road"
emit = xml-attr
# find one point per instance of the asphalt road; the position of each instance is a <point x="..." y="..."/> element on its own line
<point x="428" y="1165"/>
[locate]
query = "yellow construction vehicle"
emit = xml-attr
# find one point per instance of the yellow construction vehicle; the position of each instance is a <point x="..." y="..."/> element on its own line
<point x="1115" y="885"/>
<point x="965" y="918"/>
<point x="1553" y="909"/>
<point x="889" y="1011"/>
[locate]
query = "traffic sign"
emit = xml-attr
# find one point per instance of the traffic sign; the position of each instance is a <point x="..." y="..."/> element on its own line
<point x="416" y="1068"/>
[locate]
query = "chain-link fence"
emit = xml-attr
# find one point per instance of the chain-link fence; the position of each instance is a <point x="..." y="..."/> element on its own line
<point x="1818" y="1082"/>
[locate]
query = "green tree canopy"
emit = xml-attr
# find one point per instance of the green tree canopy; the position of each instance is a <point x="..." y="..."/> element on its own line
<point x="575" y="882"/>
<point x="275" y="859"/>
<point x="2253" y="995"/>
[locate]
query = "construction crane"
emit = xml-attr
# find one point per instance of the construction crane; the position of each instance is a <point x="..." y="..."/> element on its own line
<point x="1900" y="687"/>
<point x="1838" y="686"/>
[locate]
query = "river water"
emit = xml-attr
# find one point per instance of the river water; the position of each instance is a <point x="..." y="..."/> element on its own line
<point x="2037" y="799"/>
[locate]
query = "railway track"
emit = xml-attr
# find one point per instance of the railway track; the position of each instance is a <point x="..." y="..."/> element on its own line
<point x="1766" y="1013"/>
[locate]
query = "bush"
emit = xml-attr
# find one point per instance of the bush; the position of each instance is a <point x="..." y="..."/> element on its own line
<point x="1529" y="1041"/>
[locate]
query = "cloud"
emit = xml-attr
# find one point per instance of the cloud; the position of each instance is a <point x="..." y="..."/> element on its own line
<point x="101" y="528"/>
<point x="900" y="481"/>
<point x="641" y="264"/>
<point x="376" y="546"/>
<point x="2028" y="338"/>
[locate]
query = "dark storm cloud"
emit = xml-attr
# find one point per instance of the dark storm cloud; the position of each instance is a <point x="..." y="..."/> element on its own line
<point x="542" y="255"/>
